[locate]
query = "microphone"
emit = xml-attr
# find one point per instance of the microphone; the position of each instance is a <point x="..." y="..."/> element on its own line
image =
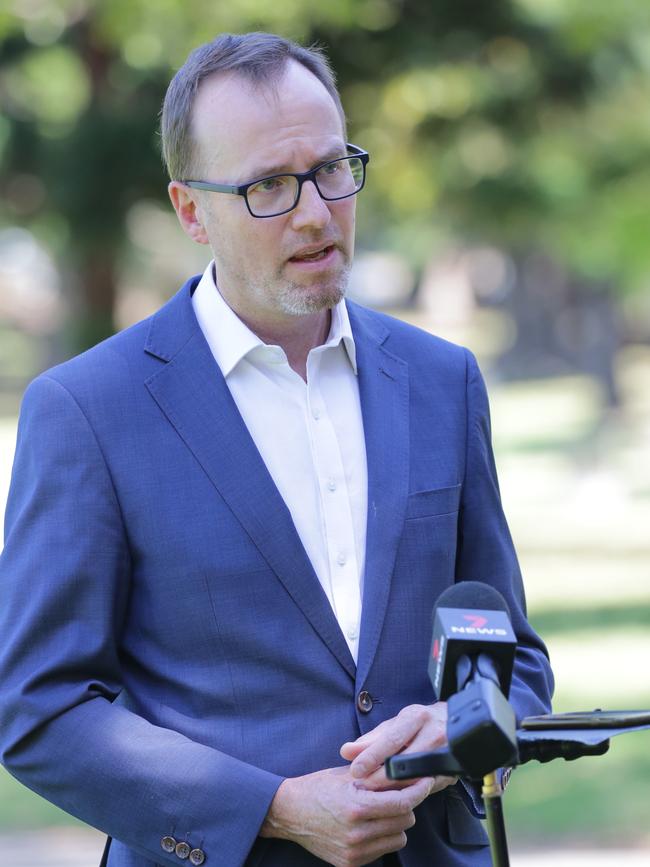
<point x="471" y="623"/>
<point x="471" y="664"/>
<point x="472" y="657"/>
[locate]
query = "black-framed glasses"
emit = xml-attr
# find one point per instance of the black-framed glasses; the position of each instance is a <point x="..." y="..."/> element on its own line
<point x="279" y="194"/>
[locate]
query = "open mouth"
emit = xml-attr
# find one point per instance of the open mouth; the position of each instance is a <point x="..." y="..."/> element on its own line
<point x="316" y="256"/>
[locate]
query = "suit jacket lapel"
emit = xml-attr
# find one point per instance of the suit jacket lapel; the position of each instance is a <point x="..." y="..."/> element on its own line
<point x="193" y="394"/>
<point x="384" y="392"/>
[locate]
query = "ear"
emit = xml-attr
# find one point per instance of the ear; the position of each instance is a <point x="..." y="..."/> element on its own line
<point x="188" y="212"/>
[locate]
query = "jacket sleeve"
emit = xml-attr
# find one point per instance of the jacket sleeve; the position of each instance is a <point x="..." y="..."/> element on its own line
<point x="65" y="577"/>
<point x="486" y="552"/>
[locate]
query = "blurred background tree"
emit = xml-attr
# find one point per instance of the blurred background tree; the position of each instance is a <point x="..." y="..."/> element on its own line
<point x="516" y="125"/>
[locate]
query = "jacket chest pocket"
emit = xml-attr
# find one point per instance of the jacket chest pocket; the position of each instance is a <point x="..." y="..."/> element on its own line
<point x="426" y="556"/>
<point x="440" y="501"/>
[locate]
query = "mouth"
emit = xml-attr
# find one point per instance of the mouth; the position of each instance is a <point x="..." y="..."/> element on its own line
<point x="314" y="254"/>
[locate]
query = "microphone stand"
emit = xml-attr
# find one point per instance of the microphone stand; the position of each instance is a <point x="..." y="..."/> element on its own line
<point x="482" y="723"/>
<point x="491" y="793"/>
<point x="443" y="763"/>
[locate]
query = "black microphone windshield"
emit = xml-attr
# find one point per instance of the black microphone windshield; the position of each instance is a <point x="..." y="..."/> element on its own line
<point x="458" y="632"/>
<point x="472" y="594"/>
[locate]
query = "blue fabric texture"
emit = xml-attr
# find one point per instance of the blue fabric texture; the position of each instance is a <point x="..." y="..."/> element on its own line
<point x="167" y="654"/>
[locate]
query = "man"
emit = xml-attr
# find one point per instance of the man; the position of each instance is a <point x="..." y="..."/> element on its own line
<point x="228" y="525"/>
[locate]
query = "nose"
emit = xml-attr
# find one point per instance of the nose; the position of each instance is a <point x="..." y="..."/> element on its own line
<point x="311" y="211"/>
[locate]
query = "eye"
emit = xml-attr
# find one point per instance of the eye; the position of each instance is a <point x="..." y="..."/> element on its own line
<point x="331" y="168"/>
<point x="269" y="185"/>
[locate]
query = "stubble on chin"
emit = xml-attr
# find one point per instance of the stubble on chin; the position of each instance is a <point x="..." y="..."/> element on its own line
<point x="297" y="299"/>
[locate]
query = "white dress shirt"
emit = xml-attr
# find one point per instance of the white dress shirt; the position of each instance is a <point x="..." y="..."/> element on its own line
<point x="310" y="436"/>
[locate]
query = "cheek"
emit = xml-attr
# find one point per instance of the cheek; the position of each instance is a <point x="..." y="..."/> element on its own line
<point x="230" y="232"/>
<point x="345" y="216"/>
<point x="252" y="251"/>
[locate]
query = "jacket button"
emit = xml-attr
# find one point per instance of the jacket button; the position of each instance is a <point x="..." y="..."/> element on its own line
<point x="364" y="701"/>
<point x="197" y="856"/>
<point x="183" y="850"/>
<point x="168" y="844"/>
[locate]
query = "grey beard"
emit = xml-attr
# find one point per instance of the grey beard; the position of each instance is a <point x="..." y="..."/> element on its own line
<point x="294" y="300"/>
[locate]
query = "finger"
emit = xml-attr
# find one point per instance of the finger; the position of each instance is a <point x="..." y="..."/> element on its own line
<point x="428" y="715"/>
<point x="375" y="779"/>
<point x="376" y="805"/>
<point x="379" y="782"/>
<point x="351" y="749"/>
<point x="441" y="783"/>
<point x="385" y="827"/>
<point x="383" y="846"/>
<point x="393" y="739"/>
<point x="430" y="737"/>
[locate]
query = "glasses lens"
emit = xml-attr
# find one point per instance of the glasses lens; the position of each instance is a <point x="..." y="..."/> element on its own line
<point x="272" y="195"/>
<point x="340" y="178"/>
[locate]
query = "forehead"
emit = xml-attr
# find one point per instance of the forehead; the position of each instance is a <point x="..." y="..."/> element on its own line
<point x="238" y="126"/>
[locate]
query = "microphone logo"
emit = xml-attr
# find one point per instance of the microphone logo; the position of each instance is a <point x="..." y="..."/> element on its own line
<point x="475" y="620"/>
<point x="437" y="655"/>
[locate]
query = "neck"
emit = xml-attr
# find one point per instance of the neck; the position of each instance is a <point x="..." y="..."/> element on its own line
<point x="297" y="335"/>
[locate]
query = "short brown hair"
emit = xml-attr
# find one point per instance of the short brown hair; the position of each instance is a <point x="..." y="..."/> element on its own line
<point x="260" y="57"/>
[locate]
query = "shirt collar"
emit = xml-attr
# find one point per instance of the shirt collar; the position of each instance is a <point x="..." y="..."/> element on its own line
<point x="230" y="339"/>
<point x="341" y="331"/>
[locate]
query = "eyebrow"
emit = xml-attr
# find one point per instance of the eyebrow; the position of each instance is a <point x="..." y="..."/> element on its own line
<point x="334" y="153"/>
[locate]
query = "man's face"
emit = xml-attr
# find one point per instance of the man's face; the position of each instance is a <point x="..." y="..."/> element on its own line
<point x="243" y="134"/>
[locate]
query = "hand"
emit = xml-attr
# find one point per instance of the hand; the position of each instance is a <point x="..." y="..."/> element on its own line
<point x="416" y="728"/>
<point x="334" y="818"/>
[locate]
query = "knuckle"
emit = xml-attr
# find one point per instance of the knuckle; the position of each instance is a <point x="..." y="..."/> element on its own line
<point x="410" y="819"/>
<point x="395" y="739"/>
<point x="354" y="838"/>
<point x="354" y="813"/>
<point x="415" y="713"/>
<point x="402" y="804"/>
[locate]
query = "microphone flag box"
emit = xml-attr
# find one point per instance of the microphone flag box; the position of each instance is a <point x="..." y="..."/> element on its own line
<point x="468" y="632"/>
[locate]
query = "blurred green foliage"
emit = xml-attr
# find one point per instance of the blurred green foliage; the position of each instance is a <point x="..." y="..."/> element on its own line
<point x="522" y="123"/>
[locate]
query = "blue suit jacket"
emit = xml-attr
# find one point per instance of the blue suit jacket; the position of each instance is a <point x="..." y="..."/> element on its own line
<point x="167" y="654"/>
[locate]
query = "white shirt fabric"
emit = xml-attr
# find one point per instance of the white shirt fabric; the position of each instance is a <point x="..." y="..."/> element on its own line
<point x="310" y="436"/>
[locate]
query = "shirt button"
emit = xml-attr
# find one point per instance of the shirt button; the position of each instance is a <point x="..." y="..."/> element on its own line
<point x="353" y="633"/>
<point x="364" y="701"/>
<point x="168" y="844"/>
<point x="341" y="559"/>
<point x="183" y="850"/>
<point x="197" y="856"/>
<point x="331" y="485"/>
<point x="316" y="413"/>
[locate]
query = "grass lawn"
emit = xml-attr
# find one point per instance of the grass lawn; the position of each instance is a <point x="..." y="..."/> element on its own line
<point x="22" y="809"/>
